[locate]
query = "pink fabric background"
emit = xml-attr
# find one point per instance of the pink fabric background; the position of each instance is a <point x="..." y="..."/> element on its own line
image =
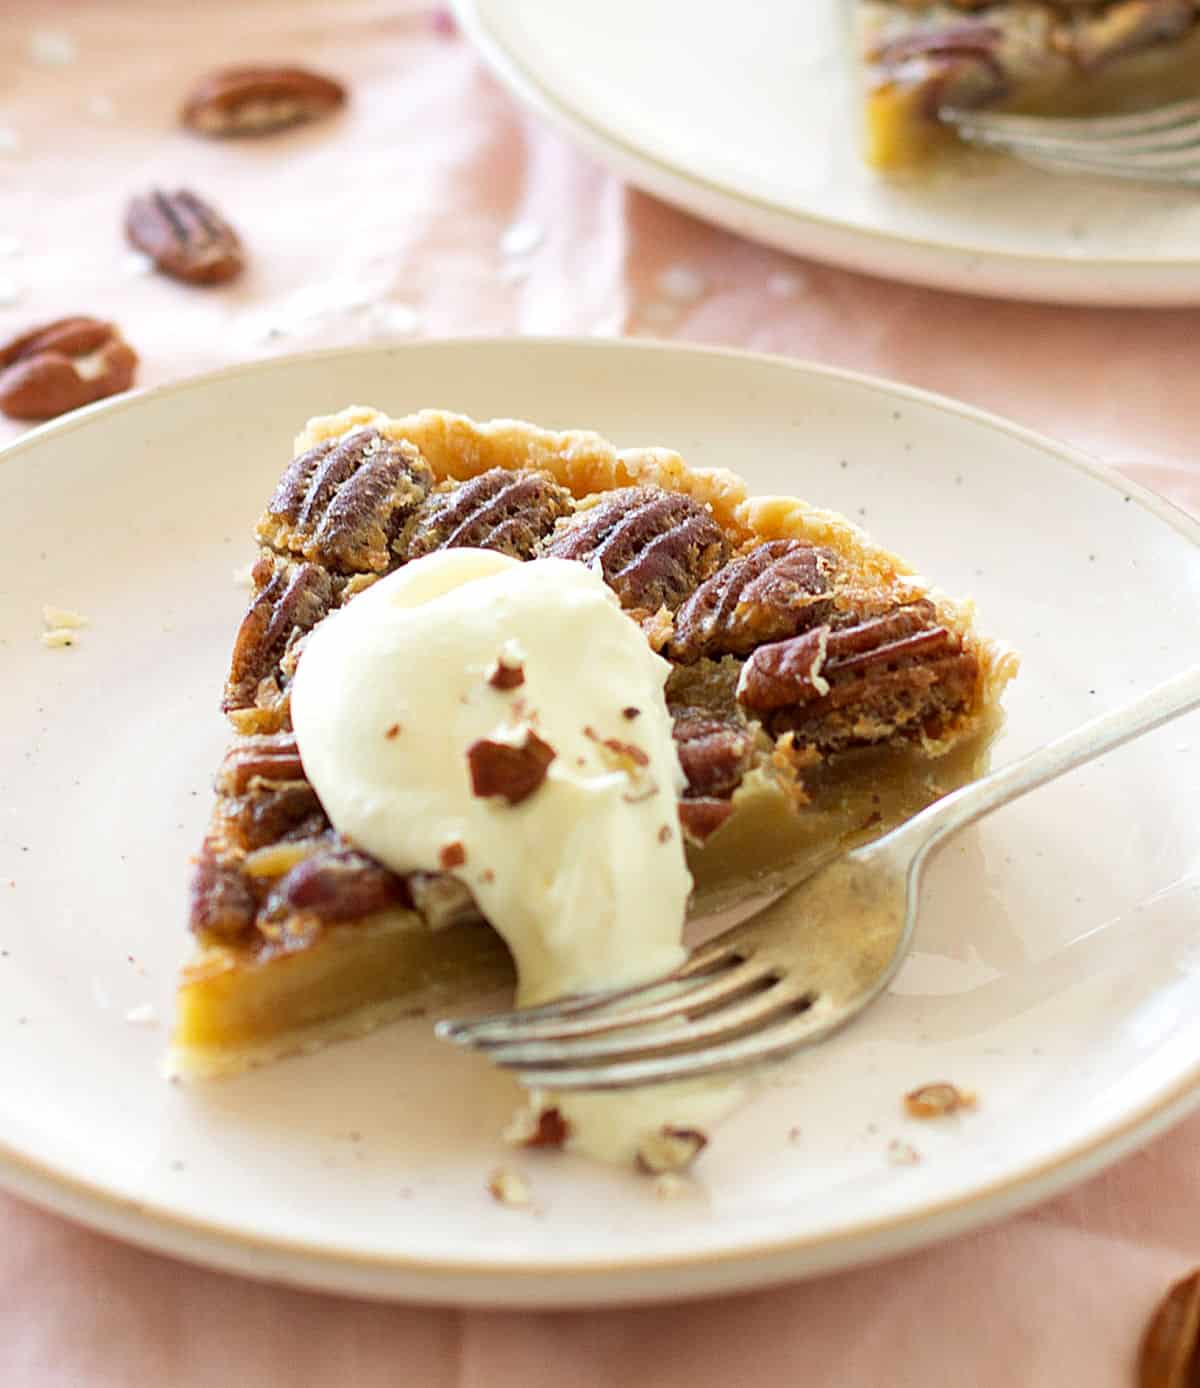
<point x="404" y="201"/>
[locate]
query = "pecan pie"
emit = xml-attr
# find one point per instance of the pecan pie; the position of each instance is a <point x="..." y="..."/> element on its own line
<point x="820" y="694"/>
<point x="1059" y="57"/>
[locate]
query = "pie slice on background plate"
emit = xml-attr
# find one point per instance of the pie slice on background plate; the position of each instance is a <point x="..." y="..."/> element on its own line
<point x="822" y="693"/>
<point x="1061" y="57"/>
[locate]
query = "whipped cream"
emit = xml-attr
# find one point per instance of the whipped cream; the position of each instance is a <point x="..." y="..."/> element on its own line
<point x="399" y="702"/>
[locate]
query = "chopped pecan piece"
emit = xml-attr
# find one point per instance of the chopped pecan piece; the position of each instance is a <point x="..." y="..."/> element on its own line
<point x="510" y="771"/>
<point x="259" y="100"/>
<point x="626" y="756"/>
<point x="901" y="674"/>
<point x="670" y="1149"/>
<point x="185" y="236"/>
<point x="654" y="548"/>
<point x="290" y="600"/>
<point x="451" y="855"/>
<point x="507" y="511"/>
<point x="505" y="676"/>
<point x="778" y="589"/>
<point x="700" y="818"/>
<point x="544" y="1128"/>
<point x="715" y="752"/>
<point x="337" y="885"/>
<point x="222" y="901"/>
<point x="63" y="365"/>
<point x="343" y="503"/>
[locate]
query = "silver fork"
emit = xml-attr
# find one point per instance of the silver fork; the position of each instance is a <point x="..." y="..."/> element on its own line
<point x="1158" y="146"/>
<point x="804" y="966"/>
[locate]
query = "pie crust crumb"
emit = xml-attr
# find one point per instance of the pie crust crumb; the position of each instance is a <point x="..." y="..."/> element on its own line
<point x="508" y="1187"/>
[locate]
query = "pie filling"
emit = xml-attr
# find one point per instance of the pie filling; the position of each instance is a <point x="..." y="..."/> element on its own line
<point x="820" y="694"/>
<point x="1052" y="57"/>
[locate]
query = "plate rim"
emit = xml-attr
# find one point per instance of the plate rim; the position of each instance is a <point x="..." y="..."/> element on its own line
<point x="597" y="1281"/>
<point x="633" y="159"/>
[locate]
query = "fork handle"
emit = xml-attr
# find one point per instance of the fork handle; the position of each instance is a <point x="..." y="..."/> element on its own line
<point x="962" y="807"/>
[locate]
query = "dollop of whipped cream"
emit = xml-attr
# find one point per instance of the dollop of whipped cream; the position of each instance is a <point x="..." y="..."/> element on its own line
<point x="400" y="702"/>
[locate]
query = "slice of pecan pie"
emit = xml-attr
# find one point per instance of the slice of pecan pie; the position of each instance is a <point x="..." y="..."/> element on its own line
<point x="1047" y="56"/>
<point x="821" y="693"/>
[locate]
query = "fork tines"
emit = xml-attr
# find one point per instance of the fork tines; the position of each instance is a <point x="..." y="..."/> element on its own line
<point x="1157" y="146"/>
<point x="719" y="1010"/>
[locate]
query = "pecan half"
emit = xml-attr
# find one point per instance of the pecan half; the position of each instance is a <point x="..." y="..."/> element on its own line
<point x="898" y="674"/>
<point x="336" y="885"/>
<point x="259" y="100"/>
<point x="186" y="237"/>
<point x="222" y="901"/>
<point x="785" y="672"/>
<point x="1169" y="1356"/>
<point x="343" y="503"/>
<point x="715" y="752"/>
<point x="511" y="772"/>
<point x="778" y="589"/>
<point x="290" y="600"/>
<point x="506" y="511"/>
<point x="273" y="757"/>
<point x="654" y="548"/>
<point x="63" y="365"/>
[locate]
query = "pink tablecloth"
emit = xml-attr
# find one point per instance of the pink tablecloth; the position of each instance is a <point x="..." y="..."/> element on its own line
<point x="405" y="203"/>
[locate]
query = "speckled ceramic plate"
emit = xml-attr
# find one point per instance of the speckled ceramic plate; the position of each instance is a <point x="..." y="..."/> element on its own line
<point x="1057" y="965"/>
<point x="746" y="116"/>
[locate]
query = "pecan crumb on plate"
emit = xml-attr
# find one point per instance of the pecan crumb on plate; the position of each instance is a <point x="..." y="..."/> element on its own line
<point x="62" y="617"/>
<point x="544" y="1128"/>
<point x="509" y="1187"/>
<point x="669" y="1149"/>
<point x="937" y="1100"/>
<point x="900" y="1153"/>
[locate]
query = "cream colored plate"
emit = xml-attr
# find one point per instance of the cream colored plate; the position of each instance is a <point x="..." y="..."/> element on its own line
<point x="1057" y="969"/>
<point x="746" y="116"/>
